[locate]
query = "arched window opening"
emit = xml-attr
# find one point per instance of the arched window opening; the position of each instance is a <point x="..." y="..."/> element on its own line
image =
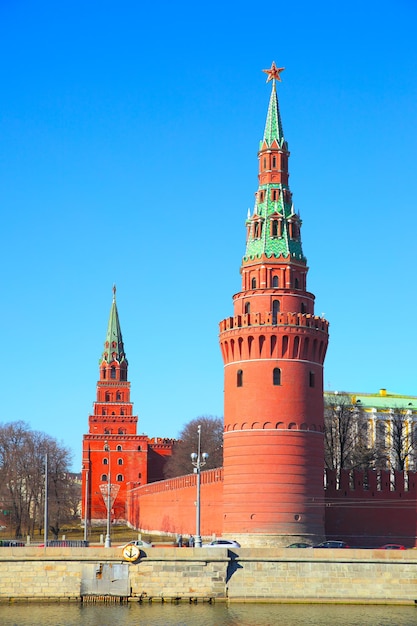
<point x="264" y="163"/>
<point x="118" y="396"/>
<point x="303" y="308"/>
<point x="296" y="347"/>
<point x="119" y="461"/>
<point x="275" y="310"/>
<point x="107" y="397"/>
<point x="274" y="228"/>
<point x="275" y="282"/>
<point x="106" y="431"/>
<point x="104" y="477"/>
<point x="296" y="283"/>
<point x="121" y="431"/>
<point x="140" y="475"/>
<point x="119" y="448"/>
<point x="240" y="378"/>
<point x="274" y="161"/>
<point x="103" y="373"/>
<point x="119" y="478"/>
<point x="284" y="345"/>
<point x="113" y="372"/>
<point x="139" y="448"/>
<point x="122" y="411"/>
<point x="103" y="411"/>
<point x="105" y="461"/>
<point x="253" y="283"/>
<point x="311" y="379"/>
<point x="261" y="344"/>
<point x="247" y="307"/>
<point x="276" y="376"/>
<point x="250" y="342"/>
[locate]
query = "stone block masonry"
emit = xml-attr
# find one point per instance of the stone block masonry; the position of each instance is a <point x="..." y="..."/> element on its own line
<point x="193" y="574"/>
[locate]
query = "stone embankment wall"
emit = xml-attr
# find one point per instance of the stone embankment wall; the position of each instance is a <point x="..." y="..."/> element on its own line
<point x="281" y="575"/>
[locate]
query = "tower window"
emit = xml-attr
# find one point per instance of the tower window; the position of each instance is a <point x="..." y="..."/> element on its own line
<point x="274" y="194"/>
<point x="311" y="379"/>
<point x="274" y="161"/>
<point x="118" y="396"/>
<point x="240" y="378"/>
<point x="253" y="283"/>
<point x="303" y="307"/>
<point x="264" y="163"/>
<point x="140" y="475"/>
<point x="296" y="283"/>
<point x="257" y="230"/>
<point x="105" y="461"/>
<point x="119" y="478"/>
<point x="139" y="448"/>
<point x="276" y="376"/>
<point x="275" y="282"/>
<point x="247" y="307"/>
<point x="119" y="461"/>
<point x="119" y="448"/>
<point x="113" y="372"/>
<point x="107" y="397"/>
<point x="275" y="310"/>
<point x="104" y="477"/>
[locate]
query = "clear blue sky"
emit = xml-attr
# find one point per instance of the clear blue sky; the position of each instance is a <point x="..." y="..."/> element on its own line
<point x="128" y="152"/>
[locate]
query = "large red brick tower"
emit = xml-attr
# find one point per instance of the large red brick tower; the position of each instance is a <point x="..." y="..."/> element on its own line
<point x="273" y="350"/>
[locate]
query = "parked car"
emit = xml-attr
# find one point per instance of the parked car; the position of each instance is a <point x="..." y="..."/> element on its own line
<point x="139" y="543"/>
<point x="299" y="545"/>
<point x="222" y="543"/>
<point x="393" y="546"/>
<point x="332" y="544"/>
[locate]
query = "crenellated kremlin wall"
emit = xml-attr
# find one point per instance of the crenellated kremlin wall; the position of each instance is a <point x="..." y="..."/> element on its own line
<point x="365" y="509"/>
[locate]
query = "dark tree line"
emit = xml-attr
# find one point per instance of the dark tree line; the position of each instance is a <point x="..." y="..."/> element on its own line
<point x="349" y="443"/>
<point x="179" y="463"/>
<point x="22" y="480"/>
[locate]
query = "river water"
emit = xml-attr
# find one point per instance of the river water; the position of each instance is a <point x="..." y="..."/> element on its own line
<point x="219" y="614"/>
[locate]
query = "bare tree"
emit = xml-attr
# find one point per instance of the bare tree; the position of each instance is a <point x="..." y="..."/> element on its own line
<point x="346" y="437"/>
<point x="403" y="441"/>
<point x="22" y="477"/>
<point x="179" y="463"/>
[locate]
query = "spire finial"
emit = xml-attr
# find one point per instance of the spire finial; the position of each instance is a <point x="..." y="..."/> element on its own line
<point x="114" y="293"/>
<point x="274" y="72"/>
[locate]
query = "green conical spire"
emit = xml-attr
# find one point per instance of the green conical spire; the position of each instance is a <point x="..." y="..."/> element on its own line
<point x="113" y="346"/>
<point x="274" y="227"/>
<point x="273" y="126"/>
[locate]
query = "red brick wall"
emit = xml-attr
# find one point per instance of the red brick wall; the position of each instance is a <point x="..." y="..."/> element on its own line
<point x="170" y="505"/>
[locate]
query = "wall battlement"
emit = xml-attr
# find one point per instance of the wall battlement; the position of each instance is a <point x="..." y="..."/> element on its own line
<point x="282" y="319"/>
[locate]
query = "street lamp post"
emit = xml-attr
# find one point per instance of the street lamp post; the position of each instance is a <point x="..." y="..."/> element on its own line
<point x="198" y="460"/>
<point x="107" y="541"/>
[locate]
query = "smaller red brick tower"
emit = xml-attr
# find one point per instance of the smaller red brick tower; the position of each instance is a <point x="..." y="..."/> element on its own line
<point x="112" y="451"/>
<point x="273" y="350"/>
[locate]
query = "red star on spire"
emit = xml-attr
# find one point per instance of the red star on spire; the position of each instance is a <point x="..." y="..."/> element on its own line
<point x="274" y="72"/>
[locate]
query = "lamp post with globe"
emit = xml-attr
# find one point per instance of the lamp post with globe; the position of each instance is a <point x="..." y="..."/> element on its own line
<point x="198" y="460"/>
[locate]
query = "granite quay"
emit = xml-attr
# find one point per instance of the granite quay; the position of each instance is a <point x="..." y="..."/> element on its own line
<point x="209" y="575"/>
